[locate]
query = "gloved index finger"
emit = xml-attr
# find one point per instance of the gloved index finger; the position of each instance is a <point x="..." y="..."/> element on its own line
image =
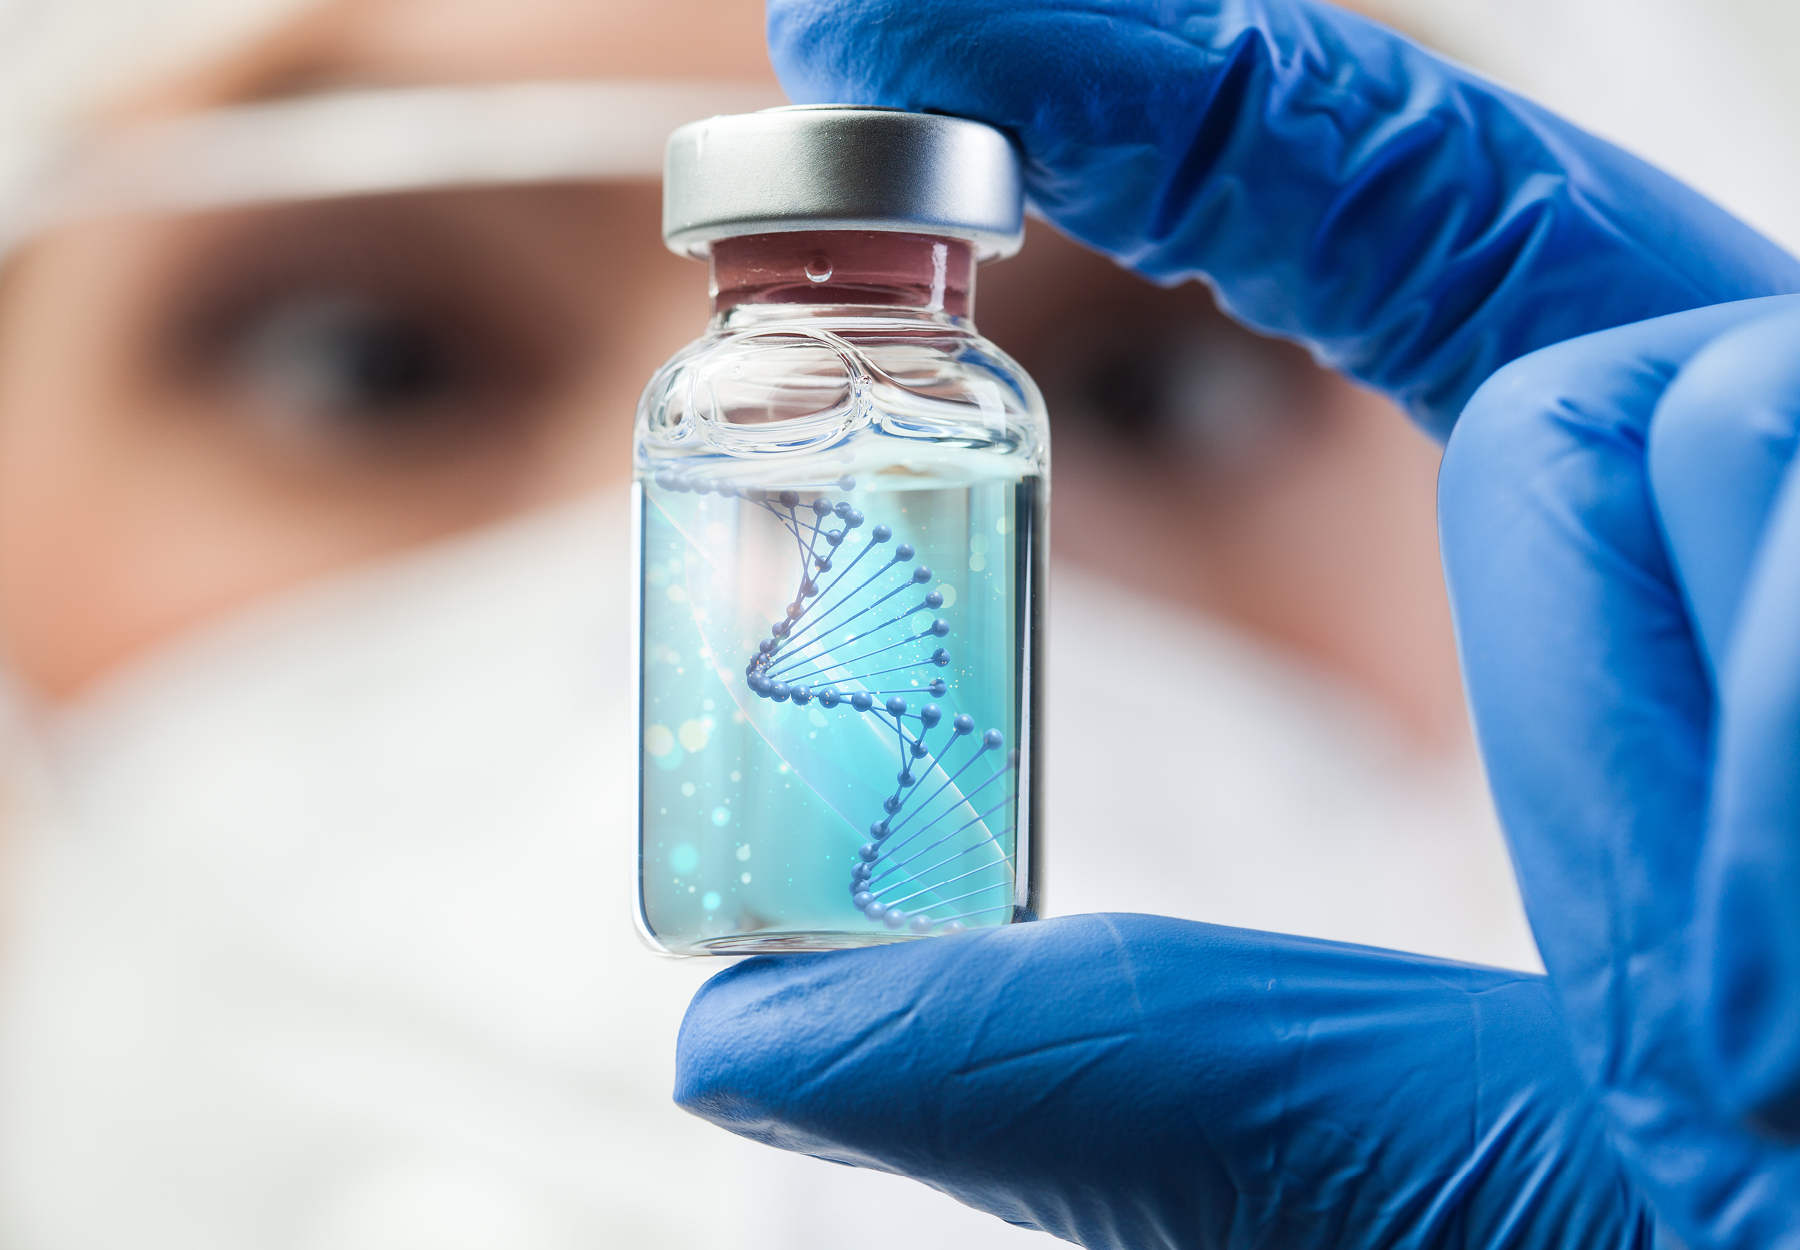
<point x="1416" y="225"/>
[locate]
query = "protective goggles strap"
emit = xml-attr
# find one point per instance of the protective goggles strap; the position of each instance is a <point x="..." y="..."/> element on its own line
<point x="368" y="142"/>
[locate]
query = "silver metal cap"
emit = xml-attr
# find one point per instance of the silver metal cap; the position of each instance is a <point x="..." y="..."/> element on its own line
<point x="841" y="167"/>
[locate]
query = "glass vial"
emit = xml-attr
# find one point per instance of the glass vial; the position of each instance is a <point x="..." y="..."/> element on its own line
<point x="841" y="499"/>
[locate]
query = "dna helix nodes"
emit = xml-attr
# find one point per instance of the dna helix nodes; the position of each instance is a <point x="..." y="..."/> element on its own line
<point x="936" y="858"/>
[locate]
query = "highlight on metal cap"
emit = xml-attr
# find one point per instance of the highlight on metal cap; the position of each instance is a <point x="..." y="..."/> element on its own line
<point x="841" y="167"/>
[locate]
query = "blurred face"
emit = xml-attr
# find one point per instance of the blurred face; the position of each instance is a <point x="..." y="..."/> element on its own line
<point x="196" y="411"/>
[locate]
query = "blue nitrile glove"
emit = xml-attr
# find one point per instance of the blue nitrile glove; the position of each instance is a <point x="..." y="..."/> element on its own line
<point x="1624" y="564"/>
<point x="1417" y="226"/>
<point x="1135" y="1081"/>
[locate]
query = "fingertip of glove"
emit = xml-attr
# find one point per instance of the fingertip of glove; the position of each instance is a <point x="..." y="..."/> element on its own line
<point x="709" y="1049"/>
<point x="762" y="1022"/>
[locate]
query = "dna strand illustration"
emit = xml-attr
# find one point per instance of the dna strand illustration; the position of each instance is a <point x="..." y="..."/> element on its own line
<point x="932" y="853"/>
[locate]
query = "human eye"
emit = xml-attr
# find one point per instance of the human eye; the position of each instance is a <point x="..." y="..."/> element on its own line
<point x="384" y="329"/>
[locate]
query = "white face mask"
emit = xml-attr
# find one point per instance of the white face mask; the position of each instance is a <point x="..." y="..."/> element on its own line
<point x="318" y="937"/>
<point x="319" y="930"/>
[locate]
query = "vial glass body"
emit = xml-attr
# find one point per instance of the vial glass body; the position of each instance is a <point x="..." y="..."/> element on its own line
<point x="841" y="498"/>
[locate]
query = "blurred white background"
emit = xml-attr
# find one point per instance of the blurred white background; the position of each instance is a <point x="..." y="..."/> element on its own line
<point x="1704" y="88"/>
<point x="399" y="1004"/>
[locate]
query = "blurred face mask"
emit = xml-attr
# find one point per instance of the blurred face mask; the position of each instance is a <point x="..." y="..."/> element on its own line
<point x="317" y="937"/>
<point x="322" y="916"/>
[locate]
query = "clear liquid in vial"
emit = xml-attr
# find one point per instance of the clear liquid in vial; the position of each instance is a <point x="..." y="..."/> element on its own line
<point x="836" y="709"/>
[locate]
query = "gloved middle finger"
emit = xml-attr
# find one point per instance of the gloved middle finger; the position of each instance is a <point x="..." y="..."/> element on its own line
<point x="1594" y="709"/>
<point x="1721" y="456"/>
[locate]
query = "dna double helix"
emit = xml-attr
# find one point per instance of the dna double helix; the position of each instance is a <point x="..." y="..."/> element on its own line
<point x="930" y="859"/>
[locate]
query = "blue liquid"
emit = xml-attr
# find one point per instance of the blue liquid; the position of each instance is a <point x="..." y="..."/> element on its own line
<point x="836" y="712"/>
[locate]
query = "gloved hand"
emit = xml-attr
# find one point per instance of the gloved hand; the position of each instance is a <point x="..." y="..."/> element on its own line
<point x="1135" y="1081"/>
<point x="1420" y="229"/>
<point x="1623" y="550"/>
<point x="1416" y="226"/>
